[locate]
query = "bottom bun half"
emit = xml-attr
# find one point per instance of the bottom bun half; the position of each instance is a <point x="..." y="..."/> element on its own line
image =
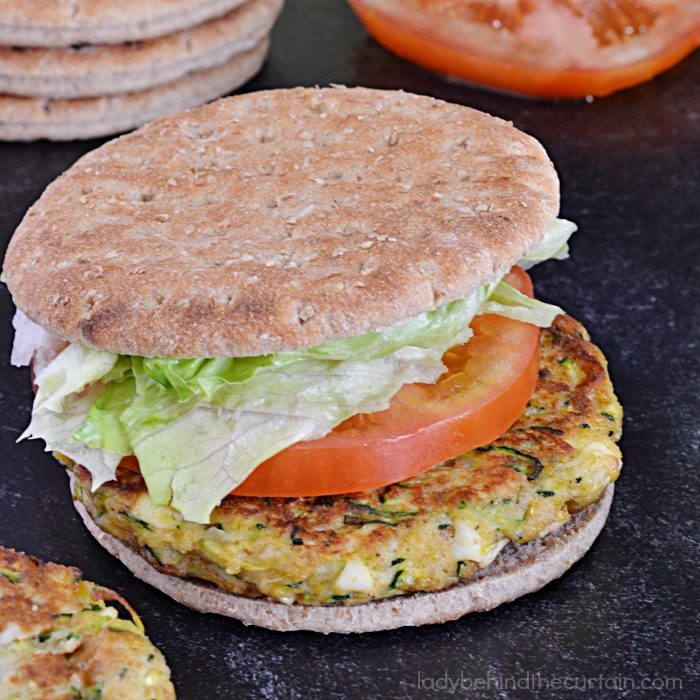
<point x="518" y="570"/>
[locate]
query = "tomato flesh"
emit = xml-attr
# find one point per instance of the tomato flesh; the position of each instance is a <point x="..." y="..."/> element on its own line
<point x="546" y="48"/>
<point x="488" y="383"/>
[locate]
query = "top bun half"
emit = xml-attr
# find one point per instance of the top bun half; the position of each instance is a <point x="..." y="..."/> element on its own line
<point x="279" y="220"/>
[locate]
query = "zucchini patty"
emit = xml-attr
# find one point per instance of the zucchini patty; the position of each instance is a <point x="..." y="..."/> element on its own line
<point x="423" y="534"/>
<point x="58" y="639"/>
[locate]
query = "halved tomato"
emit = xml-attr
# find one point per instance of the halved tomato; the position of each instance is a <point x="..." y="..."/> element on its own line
<point x="548" y="48"/>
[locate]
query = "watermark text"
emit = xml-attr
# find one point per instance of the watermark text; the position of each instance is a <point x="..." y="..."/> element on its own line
<point x="454" y="683"/>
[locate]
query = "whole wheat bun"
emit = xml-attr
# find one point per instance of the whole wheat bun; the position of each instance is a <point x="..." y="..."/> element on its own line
<point x="279" y="220"/>
<point x="58" y="23"/>
<point x="31" y="118"/>
<point x="91" y="71"/>
<point x="518" y="570"/>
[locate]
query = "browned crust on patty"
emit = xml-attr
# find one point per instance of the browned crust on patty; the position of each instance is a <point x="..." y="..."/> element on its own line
<point x="59" y="640"/>
<point x="36" y="577"/>
<point x="279" y="220"/>
<point x="56" y="24"/>
<point x="88" y="71"/>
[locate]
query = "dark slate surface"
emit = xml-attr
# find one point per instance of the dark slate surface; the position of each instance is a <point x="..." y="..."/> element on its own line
<point x="625" y="617"/>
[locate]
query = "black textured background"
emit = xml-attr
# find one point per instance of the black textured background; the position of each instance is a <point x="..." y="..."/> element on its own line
<point x="623" y="618"/>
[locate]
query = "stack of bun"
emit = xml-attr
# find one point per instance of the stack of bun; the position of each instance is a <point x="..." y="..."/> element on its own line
<point x="80" y="69"/>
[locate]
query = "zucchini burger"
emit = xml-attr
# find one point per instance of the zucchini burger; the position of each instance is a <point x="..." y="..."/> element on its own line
<point x="287" y="348"/>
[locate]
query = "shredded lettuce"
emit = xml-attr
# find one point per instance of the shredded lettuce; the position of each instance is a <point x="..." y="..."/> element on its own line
<point x="554" y="244"/>
<point x="29" y="336"/>
<point x="199" y="427"/>
<point x="67" y="389"/>
<point x="508" y="301"/>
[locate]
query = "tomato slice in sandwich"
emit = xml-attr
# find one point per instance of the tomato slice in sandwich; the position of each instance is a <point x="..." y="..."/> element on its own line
<point x="548" y="48"/>
<point x="488" y="383"/>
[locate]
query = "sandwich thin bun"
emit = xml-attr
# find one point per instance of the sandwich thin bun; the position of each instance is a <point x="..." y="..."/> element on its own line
<point x="518" y="570"/>
<point x="60" y="24"/>
<point x="279" y="220"/>
<point x="95" y="70"/>
<point x="31" y="118"/>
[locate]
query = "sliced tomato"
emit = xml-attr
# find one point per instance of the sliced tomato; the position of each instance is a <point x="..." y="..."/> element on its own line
<point x="488" y="383"/>
<point x="548" y="48"/>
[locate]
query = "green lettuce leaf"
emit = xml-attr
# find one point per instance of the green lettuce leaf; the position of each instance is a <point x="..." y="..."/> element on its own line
<point x="74" y="369"/>
<point x="67" y="389"/>
<point x="505" y="300"/>
<point x="103" y="428"/>
<point x="433" y="330"/>
<point x="554" y="244"/>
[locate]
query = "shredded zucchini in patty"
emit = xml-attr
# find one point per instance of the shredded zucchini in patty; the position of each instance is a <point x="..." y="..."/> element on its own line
<point x="58" y="638"/>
